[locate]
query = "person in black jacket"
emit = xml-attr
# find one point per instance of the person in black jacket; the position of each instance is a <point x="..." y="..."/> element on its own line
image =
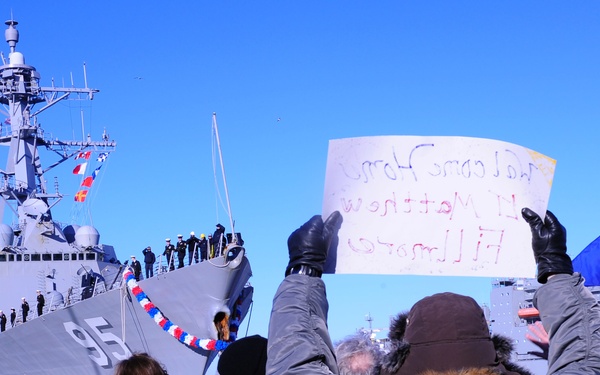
<point x="181" y="246"/>
<point x="13" y="316"/>
<point x="137" y="268"/>
<point x="24" y="308"/>
<point x="192" y="244"/>
<point x="169" y="253"/>
<point x="149" y="259"/>
<point x="2" y="321"/>
<point x="218" y="240"/>
<point x="203" y="245"/>
<point x="40" y="303"/>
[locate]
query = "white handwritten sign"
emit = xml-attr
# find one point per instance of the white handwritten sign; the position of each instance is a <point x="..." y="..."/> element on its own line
<point x="434" y="205"/>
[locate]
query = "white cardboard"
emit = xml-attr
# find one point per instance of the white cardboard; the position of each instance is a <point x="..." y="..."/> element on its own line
<point x="434" y="205"/>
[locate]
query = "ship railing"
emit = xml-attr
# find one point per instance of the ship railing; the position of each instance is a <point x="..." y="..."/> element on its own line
<point x="162" y="265"/>
<point x="6" y="131"/>
<point x="195" y="253"/>
<point x="69" y="296"/>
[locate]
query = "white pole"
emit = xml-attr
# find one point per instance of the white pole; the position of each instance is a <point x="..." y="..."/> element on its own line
<point x="234" y="238"/>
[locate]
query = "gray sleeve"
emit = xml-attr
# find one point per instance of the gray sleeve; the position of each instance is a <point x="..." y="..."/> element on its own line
<point x="299" y="341"/>
<point x="571" y="316"/>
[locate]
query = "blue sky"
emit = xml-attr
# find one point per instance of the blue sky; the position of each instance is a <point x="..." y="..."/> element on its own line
<point x="521" y="72"/>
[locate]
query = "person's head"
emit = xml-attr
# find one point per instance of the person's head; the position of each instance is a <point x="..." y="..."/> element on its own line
<point x="179" y="237"/>
<point x="246" y="356"/>
<point x="202" y="235"/>
<point x="132" y="257"/>
<point x="192" y="233"/>
<point x="168" y="240"/>
<point x="444" y="332"/>
<point x="149" y="248"/>
<point x="140" y="364"/>
<point x="38" y="292"/>
<point x="358" y="355"/>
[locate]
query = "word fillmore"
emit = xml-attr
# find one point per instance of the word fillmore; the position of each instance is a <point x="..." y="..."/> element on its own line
<point x="454" y="246"/>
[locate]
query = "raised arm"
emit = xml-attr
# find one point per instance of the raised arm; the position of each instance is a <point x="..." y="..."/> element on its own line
<point x="299" y="341"/>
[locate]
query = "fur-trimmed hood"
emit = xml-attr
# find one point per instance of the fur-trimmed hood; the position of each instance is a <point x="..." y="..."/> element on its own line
<point x="447" y="334"/>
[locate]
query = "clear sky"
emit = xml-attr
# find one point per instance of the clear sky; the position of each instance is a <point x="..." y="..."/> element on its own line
<point x="286" y="77"/>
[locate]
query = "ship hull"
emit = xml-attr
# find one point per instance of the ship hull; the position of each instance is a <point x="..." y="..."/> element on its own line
<point x="93" y="335"/>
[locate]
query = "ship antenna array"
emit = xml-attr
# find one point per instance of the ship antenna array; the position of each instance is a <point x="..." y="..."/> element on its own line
<point x="216" y="129"/>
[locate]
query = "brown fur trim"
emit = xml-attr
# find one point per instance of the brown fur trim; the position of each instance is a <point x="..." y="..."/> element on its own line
<point x="400" y="350"/>
<point x="398" y="326"/>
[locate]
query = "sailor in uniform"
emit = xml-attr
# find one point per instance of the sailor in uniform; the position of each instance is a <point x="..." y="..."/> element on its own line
<point x="169" y="253"/>
<point x="181" y="247"/>
<point x="2" y="321"/>
<point x="192" y="243"/>
<point x="137" y="268"/>
<point x="24" y="309"/>
<point x="40" y="302"/>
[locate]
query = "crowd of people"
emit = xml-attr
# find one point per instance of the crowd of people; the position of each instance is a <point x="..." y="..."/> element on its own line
<point x="441" y="334"/>
<point x="445" y="333"/>
<point x="198" y="249"/>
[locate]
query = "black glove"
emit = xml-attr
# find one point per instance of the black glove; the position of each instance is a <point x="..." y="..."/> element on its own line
<point x="308" y="245"/>
<point x="549" y="243"/>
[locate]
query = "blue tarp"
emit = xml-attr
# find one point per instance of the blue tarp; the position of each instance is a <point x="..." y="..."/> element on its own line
<point x="588" y="263"/>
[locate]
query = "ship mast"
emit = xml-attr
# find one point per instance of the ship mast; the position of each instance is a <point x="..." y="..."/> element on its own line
<point x="216" y="130"/>
<point x="20" y="91"/>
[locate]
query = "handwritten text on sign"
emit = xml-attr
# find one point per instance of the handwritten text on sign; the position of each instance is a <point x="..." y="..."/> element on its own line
<point x="434" y="205"/>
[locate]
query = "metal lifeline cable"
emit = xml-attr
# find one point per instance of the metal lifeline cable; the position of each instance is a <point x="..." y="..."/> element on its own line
<point x="249" y="317"/>
<point x="216" y="129"/>
<point x="123" y="296"/>
<point x="218" y="197"/>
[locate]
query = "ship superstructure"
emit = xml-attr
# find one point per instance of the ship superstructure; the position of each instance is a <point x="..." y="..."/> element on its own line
<point x="38" y="252"/>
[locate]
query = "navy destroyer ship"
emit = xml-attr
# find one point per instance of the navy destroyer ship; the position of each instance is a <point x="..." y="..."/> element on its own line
<point x="95" y="312"/>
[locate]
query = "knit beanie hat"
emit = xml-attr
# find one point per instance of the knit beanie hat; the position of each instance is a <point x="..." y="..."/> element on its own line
<point x="246" y="356"/>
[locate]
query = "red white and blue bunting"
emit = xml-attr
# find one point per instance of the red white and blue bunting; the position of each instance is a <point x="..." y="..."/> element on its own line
<point x="166" y="324"/>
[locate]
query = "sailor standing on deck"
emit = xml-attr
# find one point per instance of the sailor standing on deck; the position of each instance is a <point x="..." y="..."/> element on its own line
<point x="137" y="268"/>
<point x="181" y="246"/>
<point x="192" y="243"/>
<point x="169" y="253"/>
<point x="149" y="259"/>
<point x="2" y="321"/>
<point x="203" y="245"/>
<point x="24" y="308"/>
<point x="13" y="317"/>
<point x="219" y="240"/>
<point x="40" y="303"/>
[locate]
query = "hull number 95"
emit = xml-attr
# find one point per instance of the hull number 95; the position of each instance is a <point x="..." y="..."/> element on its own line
<point x="98" y="355"/>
